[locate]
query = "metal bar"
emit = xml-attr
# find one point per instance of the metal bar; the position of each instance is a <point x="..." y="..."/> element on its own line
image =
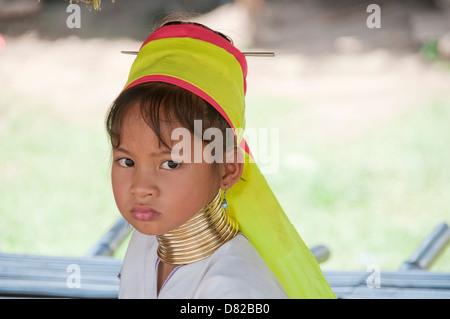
<point x="109" y="243"/>
<point x="257" y="54"/>
<point x="321" y="253"/>
<point x="430" y="249"/>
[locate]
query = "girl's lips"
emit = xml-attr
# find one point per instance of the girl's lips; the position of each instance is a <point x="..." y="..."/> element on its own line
<point x="144" y="213"/>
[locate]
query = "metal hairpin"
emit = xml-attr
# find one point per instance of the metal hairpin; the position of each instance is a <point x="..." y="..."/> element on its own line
<point x="258" y="54"/>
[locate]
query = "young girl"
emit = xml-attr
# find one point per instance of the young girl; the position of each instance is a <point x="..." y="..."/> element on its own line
<point x="208" y="228"/>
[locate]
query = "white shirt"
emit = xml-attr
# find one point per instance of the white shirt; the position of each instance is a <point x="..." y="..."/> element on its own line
<point x="234" y="271"/>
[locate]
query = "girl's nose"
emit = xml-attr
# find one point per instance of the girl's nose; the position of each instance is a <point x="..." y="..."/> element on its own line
<point x="144" y="185"/>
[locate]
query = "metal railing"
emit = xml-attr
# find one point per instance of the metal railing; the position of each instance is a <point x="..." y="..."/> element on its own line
<point x="109" y="243"/>
<point x="113" y="238"/>
<point x="430" y="249"/>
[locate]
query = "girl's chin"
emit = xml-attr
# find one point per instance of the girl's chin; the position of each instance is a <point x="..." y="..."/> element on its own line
<point x="146" y="230"/>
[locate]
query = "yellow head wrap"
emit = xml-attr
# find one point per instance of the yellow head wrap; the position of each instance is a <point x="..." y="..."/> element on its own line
<point x="201" y="61"/>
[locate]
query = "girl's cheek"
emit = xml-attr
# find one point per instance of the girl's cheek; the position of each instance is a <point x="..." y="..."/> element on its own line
<point x="119" y="183"/>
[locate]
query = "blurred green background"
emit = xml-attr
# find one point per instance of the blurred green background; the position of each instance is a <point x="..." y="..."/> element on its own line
<point x="363" y="117"/>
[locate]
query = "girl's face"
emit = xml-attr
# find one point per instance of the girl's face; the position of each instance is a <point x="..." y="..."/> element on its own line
<point x="153" y="191"/>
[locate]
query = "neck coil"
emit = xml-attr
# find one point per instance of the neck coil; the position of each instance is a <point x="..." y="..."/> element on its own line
<point x="199" y="237"/>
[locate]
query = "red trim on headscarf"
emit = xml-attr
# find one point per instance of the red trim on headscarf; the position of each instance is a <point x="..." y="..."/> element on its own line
<point x="192" y="88"/>
<point x="185" y="85"/>
<point x="200" y="33"/>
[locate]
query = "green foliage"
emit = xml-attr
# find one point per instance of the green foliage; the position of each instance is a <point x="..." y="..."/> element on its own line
<point x="372" y="199"/>
<point x="430" y="50"/>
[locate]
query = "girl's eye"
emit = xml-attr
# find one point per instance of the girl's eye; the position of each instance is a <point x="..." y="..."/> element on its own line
<point x="170" y="165"/>
<point x="125" y="162"/>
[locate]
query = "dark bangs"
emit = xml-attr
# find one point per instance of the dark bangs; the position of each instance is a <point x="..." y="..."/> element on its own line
<point x="161" y="102"/>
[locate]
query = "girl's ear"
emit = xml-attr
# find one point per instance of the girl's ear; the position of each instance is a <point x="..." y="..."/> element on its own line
<point x="231" y="169"/>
